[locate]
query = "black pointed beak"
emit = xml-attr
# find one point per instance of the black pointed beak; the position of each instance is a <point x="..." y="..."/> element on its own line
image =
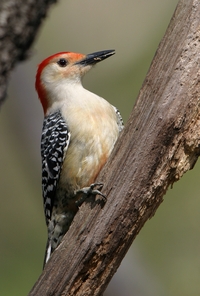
<point x="96" y="57"/>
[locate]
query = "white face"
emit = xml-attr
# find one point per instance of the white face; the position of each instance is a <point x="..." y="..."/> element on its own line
<point x="64" y="68"/>
<point x="60" y="79"/>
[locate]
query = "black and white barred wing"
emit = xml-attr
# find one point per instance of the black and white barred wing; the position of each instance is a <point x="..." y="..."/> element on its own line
<point x="54" y="144"/>
<point x="120" y="122"/>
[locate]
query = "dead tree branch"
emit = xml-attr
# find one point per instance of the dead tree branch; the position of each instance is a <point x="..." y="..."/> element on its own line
<point x="160" y="143"/>
<point x="19" y="23"/>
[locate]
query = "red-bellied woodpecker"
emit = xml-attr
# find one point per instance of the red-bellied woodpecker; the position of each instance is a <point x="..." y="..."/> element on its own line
<point x="79" y="133"/>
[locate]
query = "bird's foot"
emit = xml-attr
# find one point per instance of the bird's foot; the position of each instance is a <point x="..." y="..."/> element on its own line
<point x="87" y="191"/>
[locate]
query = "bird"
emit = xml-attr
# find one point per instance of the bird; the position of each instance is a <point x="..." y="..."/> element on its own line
<point x="79" y="132"/>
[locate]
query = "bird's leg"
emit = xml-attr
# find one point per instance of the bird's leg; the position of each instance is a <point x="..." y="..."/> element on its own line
<point x="87" y="191"/>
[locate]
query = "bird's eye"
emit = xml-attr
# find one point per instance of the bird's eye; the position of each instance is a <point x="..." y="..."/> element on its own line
<point x="62" y="62"/>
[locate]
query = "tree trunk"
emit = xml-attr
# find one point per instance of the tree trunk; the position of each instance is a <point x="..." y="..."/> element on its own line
<point x="19" y="23"/>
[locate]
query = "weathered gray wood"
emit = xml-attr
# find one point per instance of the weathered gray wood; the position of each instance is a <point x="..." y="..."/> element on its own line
<point x="19" y="23"/>
<point x="161" y="141"/>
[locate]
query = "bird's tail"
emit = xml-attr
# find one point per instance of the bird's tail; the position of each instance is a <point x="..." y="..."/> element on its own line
<point x="48" y="252"/>
<point x="57" y="228"/>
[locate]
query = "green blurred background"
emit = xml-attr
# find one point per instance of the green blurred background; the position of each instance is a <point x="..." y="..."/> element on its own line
<point x="164" y="259"/>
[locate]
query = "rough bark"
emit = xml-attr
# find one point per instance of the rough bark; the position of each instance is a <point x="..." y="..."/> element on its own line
<point x="161" y="141"/>
<point x="19" y="23"/>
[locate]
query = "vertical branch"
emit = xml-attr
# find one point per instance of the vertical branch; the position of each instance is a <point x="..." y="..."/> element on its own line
<point x="19" y="24"/>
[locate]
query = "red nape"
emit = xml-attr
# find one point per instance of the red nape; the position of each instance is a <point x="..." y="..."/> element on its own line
<point x="38" y="85"/>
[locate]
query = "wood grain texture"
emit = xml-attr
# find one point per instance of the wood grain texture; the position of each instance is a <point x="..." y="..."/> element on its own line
<point x="161" y="141"/>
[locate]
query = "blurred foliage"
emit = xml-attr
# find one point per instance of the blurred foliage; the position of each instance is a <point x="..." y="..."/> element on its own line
<point x="164" y="259"/>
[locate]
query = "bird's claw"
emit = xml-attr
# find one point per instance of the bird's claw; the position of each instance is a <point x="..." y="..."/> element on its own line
<point x="87" y="191"/>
